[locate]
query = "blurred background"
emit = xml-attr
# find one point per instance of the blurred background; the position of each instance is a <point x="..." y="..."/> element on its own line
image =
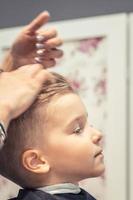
<point x="104" y="60"/>
<point x="18" y="12"/>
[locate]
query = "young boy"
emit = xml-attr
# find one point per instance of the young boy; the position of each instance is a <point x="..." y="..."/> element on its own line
<point x="52" y="146"/>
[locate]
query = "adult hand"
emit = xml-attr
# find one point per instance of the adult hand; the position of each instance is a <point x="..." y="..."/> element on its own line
<point x="18" y="90"/>
<point x="34" y="45"/>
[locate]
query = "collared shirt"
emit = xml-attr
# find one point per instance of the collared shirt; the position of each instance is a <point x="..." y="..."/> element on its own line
<point x="61" y="188"/>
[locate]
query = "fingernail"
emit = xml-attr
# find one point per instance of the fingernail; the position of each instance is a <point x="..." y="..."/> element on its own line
<point x="38" y="60"/>
<point x="40" y="38"/>
<point x="40" y="52"/>
<point x="39" y="46"/>
<point x="46" y="11"/>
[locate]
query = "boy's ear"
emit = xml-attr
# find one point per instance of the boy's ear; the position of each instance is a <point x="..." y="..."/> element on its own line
<point x="34" y="161"/>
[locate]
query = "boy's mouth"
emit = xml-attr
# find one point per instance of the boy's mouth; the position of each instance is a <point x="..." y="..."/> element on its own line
<point x="100" y="152"/>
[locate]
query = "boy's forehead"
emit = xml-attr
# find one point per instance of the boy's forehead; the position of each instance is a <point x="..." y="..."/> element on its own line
<point x="65" y="108"/>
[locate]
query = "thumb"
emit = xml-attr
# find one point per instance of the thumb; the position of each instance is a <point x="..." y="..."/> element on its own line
<point x="37" y="22"/>
<point x="44" y="76"/>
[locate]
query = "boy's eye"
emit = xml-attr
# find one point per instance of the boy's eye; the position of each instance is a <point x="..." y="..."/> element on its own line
<point x="78" y="130"/>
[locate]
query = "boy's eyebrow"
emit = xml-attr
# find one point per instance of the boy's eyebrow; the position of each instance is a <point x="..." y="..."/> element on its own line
<point x="83" y="116"/>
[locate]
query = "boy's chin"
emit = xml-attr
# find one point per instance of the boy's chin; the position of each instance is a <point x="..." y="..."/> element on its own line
<point x="99" y="172"/>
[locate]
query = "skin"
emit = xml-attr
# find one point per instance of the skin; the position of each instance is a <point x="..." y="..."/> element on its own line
<point x="23" y="51"/>
<point x="72" y="149"/>
<point x="19" y="89"/>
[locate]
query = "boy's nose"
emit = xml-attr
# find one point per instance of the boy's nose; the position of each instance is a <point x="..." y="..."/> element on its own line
<point x="97" y="137"/>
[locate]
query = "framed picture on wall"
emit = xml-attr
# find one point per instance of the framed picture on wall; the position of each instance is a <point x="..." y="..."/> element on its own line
<point x="95" y="62"/>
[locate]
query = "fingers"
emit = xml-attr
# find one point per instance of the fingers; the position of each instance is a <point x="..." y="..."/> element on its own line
<point x="45" y="40"/>
<point x="46" y="54"/>
<point x="47" y="58"/>
<point x="44" y="76"/>
<point x="46" y="63"/>
<point x="46" y="44"/>
<point x="49" y="44"/>
<point x="30" y="70"/>
<point x="34" y="69"/>
<point x="37" y="72"/>
<point x="36" y="23"/>
<point x="52" y="53"/>
<point x="46" y="35"/>
<point x="46" y="49"/>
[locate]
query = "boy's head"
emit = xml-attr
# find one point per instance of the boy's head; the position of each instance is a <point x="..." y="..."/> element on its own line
<point x="53" y="141"/>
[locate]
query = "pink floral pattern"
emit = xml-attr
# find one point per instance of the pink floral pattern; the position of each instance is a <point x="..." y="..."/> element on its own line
<point x="89" y="45"/>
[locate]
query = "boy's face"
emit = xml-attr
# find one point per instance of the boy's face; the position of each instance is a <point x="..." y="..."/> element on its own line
<point x="71" y="145"/>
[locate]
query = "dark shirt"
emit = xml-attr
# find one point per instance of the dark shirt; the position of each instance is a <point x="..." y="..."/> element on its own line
<point x="30" y="194"/>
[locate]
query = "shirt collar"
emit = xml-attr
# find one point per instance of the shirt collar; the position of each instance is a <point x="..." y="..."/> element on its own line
<point x="61" y="188"/>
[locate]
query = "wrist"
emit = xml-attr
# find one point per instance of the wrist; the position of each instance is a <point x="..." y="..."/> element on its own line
<point x="8" y="62"/>
<point x="3" y="134"/>
<point x="5" y="116"/>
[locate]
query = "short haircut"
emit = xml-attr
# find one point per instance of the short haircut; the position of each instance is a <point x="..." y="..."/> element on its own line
<point x="24" y="131"/>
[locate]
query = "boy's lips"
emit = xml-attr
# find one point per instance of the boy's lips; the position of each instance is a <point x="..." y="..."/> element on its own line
<point x="99" y="152"/>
